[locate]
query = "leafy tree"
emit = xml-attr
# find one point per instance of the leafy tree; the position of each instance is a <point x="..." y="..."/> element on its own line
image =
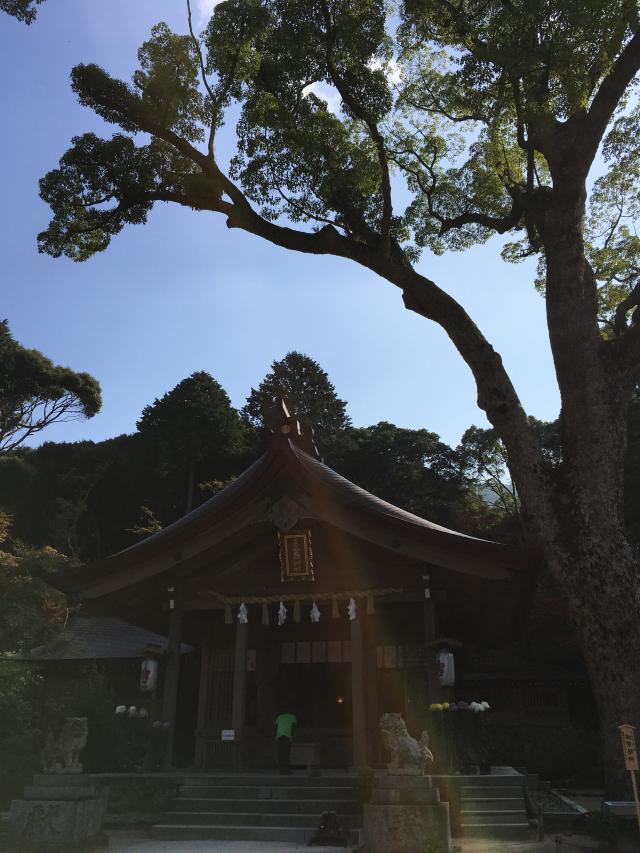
<point x="308" y="392"/>
<point x="23" y="10"/>
<point x="191" y="424"/>
<point x="32" y="610"/>
<point x="492" y="124"/>
<point x="35" y="393"/>
<point x="410" y="468"/>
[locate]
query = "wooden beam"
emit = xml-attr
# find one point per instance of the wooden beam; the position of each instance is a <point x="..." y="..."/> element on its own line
<point x="239" y="689"/>
<point x="358" y="708"/>
<point x="172" y="675"/>
<point x="436" y="691"/>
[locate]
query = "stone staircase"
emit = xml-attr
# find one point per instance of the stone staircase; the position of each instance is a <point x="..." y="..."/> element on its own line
<point x="494" y="807"/>
<point x="258" y="807"/>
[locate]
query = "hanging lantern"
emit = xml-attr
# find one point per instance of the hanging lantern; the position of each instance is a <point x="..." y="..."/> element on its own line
<point x="243" y="614"/>
<point x="149" y="674"/>
<point x="282" y="614"/>
<point x="352" y="609"/>
<point x="445" y="668"/>
<point x="314" y="615"/>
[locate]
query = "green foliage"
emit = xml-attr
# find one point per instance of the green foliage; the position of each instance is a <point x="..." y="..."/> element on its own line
<point x="413" y="469"/>
<point x="32" y="611"/>
<point x="308" y="392"/>
<point x="20" y="723"/>
<point x="35" y="393"/>
<point x="181" y="426"/>
<point x="454" y="101"/>
<point x="23" y="10"/>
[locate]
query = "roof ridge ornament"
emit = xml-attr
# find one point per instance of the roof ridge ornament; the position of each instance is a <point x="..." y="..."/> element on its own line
<point x="281" y="422"/>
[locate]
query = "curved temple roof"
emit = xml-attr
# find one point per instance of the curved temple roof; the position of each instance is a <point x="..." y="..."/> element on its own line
<point x="284" y="485"/>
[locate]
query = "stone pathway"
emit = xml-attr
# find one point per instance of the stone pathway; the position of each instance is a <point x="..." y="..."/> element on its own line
<point x="127" y="842"/>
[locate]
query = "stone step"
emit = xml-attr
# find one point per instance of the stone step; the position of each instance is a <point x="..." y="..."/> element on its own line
<point x="491" y="804"/>
<point x="58" y="792"/>
<point x="266" y="792"/>
<point x="65" y="780"/>
<point x="474" y="792"/>
<point x="255" y="780"/>
<point x="516" y="780"/>
<point x="490" y="818"/>
<point x="251" y="819"/>
<point x="264" y="806"/>
<point x="517" y="831"/>
<point x="292" y="835"/>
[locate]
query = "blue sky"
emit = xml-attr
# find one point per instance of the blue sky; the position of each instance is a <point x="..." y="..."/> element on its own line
<point x="183" y="293"/>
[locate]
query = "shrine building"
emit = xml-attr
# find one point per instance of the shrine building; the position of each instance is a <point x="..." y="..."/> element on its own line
<point x="295" y="590"/>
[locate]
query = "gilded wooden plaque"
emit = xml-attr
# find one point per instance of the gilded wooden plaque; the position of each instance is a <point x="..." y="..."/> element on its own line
<point x="296" y="558"/>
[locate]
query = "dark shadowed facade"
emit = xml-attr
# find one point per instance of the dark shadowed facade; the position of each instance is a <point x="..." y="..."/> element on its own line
<point x="390" y="589"/>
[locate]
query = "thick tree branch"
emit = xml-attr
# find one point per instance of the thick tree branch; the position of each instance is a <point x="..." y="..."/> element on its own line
<point x="607" y="99"/>
<point x="620" y="318"/>
<point x="360" y="112"/>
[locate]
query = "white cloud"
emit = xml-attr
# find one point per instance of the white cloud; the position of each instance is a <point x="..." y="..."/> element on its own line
<point x="392" y="70"/>
<point x="328" y="94"/>
<point x="204" y="10"/>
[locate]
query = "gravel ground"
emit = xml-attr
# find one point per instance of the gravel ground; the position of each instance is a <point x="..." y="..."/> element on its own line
<point x="550" y="802"/>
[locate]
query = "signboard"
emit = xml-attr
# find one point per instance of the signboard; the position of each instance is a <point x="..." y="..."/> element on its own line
<point x="228" y="734"/>
<point x="296" y="560"/>
<point x="627" y="733"/>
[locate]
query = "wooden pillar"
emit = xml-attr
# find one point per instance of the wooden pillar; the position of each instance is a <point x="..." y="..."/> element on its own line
<point x="171" y="676"/>
<point x="203" y="709"/>
<point x="358" y="706"/>
<point x="239" y="699"/>
<point x="436" y="692"/>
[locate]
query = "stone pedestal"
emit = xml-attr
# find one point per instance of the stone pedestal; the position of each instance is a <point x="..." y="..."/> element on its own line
<point x="58" y="811"/>
<point x="404" y="813"/>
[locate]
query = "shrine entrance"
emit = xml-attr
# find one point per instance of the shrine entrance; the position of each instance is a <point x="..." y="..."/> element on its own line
<point x="301" y="590"/>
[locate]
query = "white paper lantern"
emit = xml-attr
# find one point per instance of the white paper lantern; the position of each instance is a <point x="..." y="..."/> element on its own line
<point x="445" y="668"/>
<point x="148" y="675"/>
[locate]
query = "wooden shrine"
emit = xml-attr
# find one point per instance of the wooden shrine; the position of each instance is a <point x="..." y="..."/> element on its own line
<point x="300" y="591"/>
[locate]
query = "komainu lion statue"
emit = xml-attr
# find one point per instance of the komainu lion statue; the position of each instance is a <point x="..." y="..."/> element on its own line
<point x="405" y="750"/>
<point x="61" y="753"/>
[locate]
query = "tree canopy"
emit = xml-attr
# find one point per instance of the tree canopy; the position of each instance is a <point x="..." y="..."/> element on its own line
<point x="23" y="10"/>
<point x="192" y="422"/>
<point x="309" y="393"/>
<point x="34" y="392"/>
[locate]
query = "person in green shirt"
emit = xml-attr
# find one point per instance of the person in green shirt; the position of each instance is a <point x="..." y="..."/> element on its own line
<point x="284" y="733"/>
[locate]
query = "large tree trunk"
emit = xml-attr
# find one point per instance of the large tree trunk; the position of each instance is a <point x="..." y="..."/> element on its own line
<point x="590" y="555"/>
<point x="602" y="586"/>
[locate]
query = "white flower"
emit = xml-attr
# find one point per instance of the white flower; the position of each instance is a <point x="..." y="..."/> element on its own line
<point x="133" y="711"/>
<point x="121" y="709"/>
<point x="485" y="706"/>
